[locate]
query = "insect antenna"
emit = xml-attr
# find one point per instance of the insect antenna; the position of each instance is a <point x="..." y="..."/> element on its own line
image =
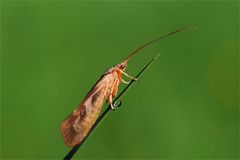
<point x="157" y="39"/>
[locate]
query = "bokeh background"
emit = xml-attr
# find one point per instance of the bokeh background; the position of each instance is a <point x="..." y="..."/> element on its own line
<point x="184" y="106"/>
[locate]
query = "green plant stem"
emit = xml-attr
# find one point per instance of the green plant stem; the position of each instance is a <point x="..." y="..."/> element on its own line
<point x="106" y="111"/>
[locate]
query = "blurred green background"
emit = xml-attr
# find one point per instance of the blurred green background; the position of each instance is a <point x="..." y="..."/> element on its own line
<point x="184" y="106"/>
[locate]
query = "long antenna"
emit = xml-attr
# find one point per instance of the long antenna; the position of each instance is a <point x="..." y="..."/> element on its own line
<point x="157" y="39"/>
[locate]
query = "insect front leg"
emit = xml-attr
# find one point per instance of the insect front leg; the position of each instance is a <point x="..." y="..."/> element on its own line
<point x="130" y="77"/>
<point x="125" y="82"/>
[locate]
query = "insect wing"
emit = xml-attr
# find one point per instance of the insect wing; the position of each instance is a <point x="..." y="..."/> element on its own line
<point x="75" y="127"/>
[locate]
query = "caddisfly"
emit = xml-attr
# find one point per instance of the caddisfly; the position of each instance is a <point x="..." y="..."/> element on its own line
<point x="76" y="126"/>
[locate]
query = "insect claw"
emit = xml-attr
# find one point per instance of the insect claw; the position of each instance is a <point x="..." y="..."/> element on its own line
<point x="136" y="79"/>
<point x="112" y="107"/>
<point x="117" y="104"/>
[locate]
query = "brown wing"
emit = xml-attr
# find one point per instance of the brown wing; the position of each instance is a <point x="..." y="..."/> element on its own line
<point x="75" y="127"/>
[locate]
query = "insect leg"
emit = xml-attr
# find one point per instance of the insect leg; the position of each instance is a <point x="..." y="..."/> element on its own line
<point x="110" y="102"/>
<point x="130" y="77"/>
<point x="125" y="81"/>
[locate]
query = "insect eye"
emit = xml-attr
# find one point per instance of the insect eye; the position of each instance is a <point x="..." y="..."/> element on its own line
<point x="122" y="66"/>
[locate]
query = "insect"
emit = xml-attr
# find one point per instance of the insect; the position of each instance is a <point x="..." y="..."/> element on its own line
<point x="76" y="126"/>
